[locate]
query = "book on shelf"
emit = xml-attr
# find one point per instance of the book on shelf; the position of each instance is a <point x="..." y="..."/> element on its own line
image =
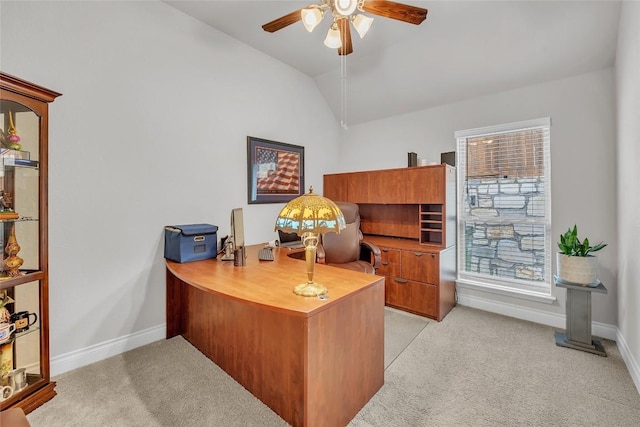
<point x="26" y="162"/>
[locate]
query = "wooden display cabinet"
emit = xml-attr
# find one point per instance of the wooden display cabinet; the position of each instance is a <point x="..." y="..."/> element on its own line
<point x="24" y="276"/>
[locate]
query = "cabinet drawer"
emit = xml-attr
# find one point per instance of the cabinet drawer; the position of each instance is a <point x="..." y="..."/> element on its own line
<point x="421" y="266"/>
<point x="389" y="254"/>
<point x="387" y="268"/>
<point x="413" y="296"/>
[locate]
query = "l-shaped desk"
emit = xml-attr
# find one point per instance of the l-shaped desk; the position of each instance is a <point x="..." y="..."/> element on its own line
<point x="314" y="362"/>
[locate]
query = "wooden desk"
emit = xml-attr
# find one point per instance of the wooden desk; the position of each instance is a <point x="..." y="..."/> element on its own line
<point x="314" y="362"/>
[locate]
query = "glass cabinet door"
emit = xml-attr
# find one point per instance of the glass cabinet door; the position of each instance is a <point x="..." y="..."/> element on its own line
<point x="25" y="378"/>
<point x="21" y="272"/>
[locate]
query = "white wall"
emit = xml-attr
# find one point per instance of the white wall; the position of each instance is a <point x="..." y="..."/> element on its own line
<point x="628" y="195"/>
<point x="582" y="110"/>
<point x="150" y="131"/>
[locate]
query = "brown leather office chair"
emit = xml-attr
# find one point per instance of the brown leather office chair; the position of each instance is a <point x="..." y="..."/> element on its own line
<point x="347" y="249"/>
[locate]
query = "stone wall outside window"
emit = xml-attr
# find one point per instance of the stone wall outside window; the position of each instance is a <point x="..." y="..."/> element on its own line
<point x="500" y="238"/>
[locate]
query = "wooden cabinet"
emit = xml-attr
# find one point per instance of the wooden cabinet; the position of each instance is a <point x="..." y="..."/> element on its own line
<point x="24" y="276"/>
<point x="387" y="186"/>
<point x="418" y="278"/>
<point x="336" y="187"/>
<point x="413" y="203"/>
<point x="421" y="266"/>
<point x="427" y="184"/>
<point x="410" y="213"/>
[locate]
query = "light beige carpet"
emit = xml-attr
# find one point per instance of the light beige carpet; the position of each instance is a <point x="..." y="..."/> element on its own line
<point x="170" y="383"/>
<point x="472" y="369"/>
<point x="400" y="329"/>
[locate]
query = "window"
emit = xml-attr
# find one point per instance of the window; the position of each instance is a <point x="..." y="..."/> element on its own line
<point x="504" y="207"/>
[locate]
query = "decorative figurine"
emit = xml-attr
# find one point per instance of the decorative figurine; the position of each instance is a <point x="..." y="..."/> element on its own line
<point x="6" y="201"/>
<point x="13" y="262"/>
<point x="5" y="299"/>
<point x="14" y="139"/>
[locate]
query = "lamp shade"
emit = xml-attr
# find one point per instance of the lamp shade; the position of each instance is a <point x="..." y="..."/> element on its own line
<point x="310" y="213"/>
<point x="362" y="24"/>
<point x="333" y="37"/>
<point x="311" y="17"/>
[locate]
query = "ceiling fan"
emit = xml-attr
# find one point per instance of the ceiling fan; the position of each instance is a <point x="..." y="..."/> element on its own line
<point x="344" y="12"/>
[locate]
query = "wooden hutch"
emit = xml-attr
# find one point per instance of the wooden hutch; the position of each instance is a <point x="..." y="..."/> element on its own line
<point x="410" y="213"/>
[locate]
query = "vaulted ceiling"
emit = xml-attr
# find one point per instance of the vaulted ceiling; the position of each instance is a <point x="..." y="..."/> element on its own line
<point x="463" y="49"/>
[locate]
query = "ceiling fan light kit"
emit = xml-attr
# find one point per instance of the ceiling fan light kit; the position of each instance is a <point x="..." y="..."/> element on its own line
<point x="361" y="23"/>
<point x="344" y="12"/>
<point x="345" y="7"/>
<point x="333" y="40"/>
<point x="311" y="16"/>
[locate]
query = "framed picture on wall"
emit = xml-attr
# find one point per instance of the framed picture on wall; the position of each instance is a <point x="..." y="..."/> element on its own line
<point x="275" y="171"/>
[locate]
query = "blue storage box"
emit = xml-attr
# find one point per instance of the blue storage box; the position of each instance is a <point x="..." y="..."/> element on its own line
<point x="192" y="242"/>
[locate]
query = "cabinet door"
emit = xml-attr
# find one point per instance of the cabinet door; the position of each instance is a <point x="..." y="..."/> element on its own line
<point x="421" y="266"/>
<point x="335" y="187"/>
<point x="420" y="298"/>
<point x="24" y="352"/>
<point x="426" y="184"/>
<point x="358" y="184"/>
<point x="386" y="186"/>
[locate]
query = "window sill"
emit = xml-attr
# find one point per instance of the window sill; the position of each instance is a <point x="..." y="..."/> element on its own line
<point x="508" y="291"/>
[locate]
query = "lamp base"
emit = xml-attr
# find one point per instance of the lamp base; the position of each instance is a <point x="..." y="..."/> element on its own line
<point x="310" y="289"/>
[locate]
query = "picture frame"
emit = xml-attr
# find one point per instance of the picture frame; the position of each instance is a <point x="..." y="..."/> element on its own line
<point x="275" y="171"/>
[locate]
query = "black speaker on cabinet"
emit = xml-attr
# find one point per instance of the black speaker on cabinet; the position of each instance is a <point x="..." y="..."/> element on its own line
<point x="412" y="159"/>
<point x="448" y="158"/>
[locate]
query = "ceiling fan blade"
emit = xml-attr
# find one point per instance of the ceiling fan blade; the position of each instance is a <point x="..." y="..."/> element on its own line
<point x="401" y="12"/>
<point x="284" y="21"/>
<point x="345" y="37"/>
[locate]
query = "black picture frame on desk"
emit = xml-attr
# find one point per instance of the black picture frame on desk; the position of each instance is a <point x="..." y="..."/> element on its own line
<point x="275" y="171"/>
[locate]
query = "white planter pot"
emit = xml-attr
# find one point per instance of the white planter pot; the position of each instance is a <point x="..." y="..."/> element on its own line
<point x="577" y="269"/>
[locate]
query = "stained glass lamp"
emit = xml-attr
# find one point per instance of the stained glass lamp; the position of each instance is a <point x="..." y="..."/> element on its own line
<point x="308" y="216"/>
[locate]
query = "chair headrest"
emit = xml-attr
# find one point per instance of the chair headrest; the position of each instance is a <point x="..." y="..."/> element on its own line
<point x="351" y="211"/>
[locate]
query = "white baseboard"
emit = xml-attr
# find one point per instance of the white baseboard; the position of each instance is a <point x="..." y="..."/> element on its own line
<point x="95" y="353"/>
<point x="555" y="320"/>
<point x="632" y="364"/>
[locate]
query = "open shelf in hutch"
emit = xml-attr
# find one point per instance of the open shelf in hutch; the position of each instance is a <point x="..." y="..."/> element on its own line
<point x="431" y="224"/>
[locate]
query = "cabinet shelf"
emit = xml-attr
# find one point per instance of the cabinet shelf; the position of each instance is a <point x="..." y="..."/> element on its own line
<point x="19" y="219"/>
<point x="18" y="335"/>
<point x="28" y="276"/>
<point x="22" y="163"/>
<point x="431" y="225"/>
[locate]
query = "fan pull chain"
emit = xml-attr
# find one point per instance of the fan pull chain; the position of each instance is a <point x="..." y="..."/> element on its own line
<point x="343" y="92"/>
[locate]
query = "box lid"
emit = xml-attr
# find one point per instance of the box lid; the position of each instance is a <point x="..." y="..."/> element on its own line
<point x="193" y="229"/>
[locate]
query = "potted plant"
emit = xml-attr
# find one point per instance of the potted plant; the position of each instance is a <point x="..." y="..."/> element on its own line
<point x="575" y="262"/>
